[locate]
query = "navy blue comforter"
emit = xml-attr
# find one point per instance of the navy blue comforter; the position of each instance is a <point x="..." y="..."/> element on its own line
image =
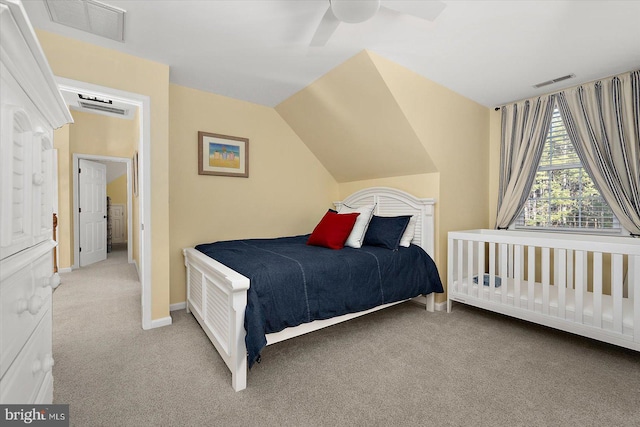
<point x="293" y="283"/>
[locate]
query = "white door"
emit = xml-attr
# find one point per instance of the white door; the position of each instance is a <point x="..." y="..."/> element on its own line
<point x="92" y="186"/>
<point x="118" y="223"/>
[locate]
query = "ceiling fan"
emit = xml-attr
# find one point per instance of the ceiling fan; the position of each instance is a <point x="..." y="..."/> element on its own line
<point x="355" y="11"/>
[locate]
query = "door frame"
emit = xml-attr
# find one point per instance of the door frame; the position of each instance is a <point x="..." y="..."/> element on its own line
<point x="76" y="203"/>
<point x="143" y="102"/>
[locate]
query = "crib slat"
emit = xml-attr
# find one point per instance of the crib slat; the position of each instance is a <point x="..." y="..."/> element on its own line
<point x="510" y="263"/>
<point x="531" y="275"/>
<point x="616" y="291"/>
<point x="492" y="270"/>
<point x="562" y="282"/>
<point x="546" y="271"/>
<point x="634" y="283"/>
<point x="581" y="265"/>
<point x="470" y="265"/>
<point x="518" y="257"/>
<point x="481" y="269"/>
<point x="633" y="271"/>
<point x="460" y="263"/>
<point x="503" y="272"/>
<point x="570" y="282"/>
<point x="597" y="289"/>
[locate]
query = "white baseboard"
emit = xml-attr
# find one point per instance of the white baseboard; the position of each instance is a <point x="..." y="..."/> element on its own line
<point x="178" y="306"/>
<point x="158" y="323"/>
<point x="65" y="270"/>
<point x="137" y="269"/>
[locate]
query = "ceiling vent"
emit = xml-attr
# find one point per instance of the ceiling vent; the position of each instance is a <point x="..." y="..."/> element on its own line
<point x="103" y="108"/>
<point x="90" y="16"/>
<point x="556" y="80"/>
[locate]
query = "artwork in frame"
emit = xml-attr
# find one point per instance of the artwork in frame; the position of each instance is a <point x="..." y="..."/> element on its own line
<point x="223" y="155"/>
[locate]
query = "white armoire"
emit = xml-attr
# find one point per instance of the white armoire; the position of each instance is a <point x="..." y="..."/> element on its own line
<point x="31" y="107"/>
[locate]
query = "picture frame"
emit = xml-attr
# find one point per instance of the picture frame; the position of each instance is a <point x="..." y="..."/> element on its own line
<point x="223" y="155"/>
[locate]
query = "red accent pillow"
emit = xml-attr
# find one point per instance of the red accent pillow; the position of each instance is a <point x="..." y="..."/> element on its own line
<point x="333" y="230"/>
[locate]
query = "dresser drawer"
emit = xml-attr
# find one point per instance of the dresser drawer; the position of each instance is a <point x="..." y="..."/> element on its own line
<point x="23" y="381"/>
<point x="24" y="302"/>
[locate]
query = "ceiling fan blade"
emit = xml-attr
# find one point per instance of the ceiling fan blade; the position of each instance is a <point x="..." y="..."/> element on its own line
<point x="425" y="9"/>
<point x="325" y="29"/>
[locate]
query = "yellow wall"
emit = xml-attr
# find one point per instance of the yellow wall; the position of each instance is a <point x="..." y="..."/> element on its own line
<point x="287" y="192"/>
<point x="455" y="132"/>
<point x="65" y="198"/>
<point x="385" y="109"/>
<point x="495" y="132"/>
<point x="117" y="190"/>
<point x="89" y="63"/>
<point x="350" y="120"/>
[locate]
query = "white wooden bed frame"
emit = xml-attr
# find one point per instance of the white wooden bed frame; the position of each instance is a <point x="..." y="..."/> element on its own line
<point x="217" y="295"/>
<point x="568" y="287"/>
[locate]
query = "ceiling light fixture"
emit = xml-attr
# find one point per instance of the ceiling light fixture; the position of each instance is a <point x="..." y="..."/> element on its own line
<point x="354" y="11"/>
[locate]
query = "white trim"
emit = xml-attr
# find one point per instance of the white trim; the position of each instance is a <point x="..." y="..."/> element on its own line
<point x="143" y="103"/>
<point x="178" y="306"/>
<point x="441" y="306"/>
<point x="158" y="323"/>
<point x="65" y="270"/>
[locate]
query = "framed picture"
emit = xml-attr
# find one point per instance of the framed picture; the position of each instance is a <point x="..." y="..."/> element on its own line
<point x="223" y="155"/>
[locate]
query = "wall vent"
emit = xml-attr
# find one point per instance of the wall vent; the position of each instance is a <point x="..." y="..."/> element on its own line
<point x="556" y="80"/>
<point x="103" y="108"/>
<point x="89" y="15"/>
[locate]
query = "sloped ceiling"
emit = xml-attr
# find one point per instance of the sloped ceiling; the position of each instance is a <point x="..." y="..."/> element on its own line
<point x="356" y="128"/>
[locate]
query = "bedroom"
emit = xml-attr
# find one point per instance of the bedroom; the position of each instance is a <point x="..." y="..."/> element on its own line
<point x="460" y="173"/>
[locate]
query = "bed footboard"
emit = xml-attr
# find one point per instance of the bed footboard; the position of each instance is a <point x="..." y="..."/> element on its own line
<point x="217" y="297"/>
<point x="587" y="285"/>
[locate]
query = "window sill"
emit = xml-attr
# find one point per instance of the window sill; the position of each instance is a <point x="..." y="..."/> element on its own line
<point x="616" y="232"/>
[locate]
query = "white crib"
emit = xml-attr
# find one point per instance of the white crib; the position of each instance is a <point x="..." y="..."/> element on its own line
<point x="577" y="283"/>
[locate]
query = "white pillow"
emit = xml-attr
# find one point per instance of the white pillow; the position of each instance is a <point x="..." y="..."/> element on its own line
<point x="356" y="237"/>
<point x="409" y="232"/>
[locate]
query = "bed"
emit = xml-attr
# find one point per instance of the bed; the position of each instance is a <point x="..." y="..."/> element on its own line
<point x="221" y="298"/>
<point x="586" y="285"/>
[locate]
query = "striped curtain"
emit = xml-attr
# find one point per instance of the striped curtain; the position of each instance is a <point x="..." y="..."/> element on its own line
<point x="603" y="122"/>
<point x="525" y="126"/>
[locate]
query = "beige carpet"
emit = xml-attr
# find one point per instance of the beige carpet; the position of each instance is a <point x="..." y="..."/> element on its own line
<point x="399" y="367"/>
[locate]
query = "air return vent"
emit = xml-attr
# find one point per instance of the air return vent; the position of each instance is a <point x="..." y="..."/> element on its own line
<point x="556" y="80"/>
<point x="103" y="108"/>
<point x="90" y="16"/>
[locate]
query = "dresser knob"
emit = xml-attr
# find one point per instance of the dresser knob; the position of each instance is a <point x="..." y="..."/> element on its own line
<point x="35" y="304"/>
<point x="45" y="364"/>
<point x="54" y="280"/>
<point x="38" y="179"/>
<point x="22" y="305"/>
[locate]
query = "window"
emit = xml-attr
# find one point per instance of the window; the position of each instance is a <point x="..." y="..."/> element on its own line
<point x="563" y="196"/>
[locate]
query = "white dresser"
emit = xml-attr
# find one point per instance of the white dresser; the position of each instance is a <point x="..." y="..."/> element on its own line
<point x="31" y="107"/>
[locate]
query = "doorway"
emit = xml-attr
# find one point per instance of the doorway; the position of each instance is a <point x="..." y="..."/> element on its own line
<point x="93" y="236"/>
<point x="143" y="225"/>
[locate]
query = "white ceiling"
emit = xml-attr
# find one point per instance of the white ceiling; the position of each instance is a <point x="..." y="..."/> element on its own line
<point x="490" y="51"/>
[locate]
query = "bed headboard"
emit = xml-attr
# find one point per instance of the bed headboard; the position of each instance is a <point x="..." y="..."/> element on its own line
<point x="391" y="202"/>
